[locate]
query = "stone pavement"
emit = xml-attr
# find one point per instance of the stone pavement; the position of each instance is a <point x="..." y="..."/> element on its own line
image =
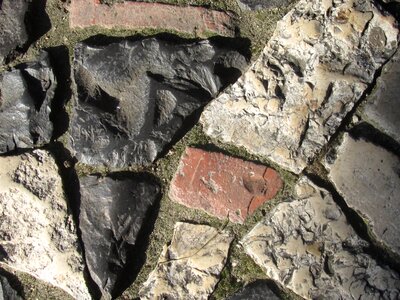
<point x="279" y="191"/>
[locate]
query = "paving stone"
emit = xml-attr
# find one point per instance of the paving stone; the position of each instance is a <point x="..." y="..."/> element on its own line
<point x="133" y="97"/>
<point x="221" y="185"/>
<point x="262" y="4"/>
<point x="139" y="15"/>
<point x="367" y="176"/>
<point x="6" y="291"/>
<point x="308" y="246"/>
<point x="13" y="33"/>
<point x="112" y="213"/>
<point x="257" y="290"/>
<point x="383" y="106"/>
<point x="25" y="105"/>
<point x="37" y="234"/>
<point x="312" y="71"/>
<point x="189" y="268"/>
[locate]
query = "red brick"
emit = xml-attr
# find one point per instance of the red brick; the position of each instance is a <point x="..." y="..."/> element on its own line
<point x="141" y="15"/>
<point x="222" y="185"/>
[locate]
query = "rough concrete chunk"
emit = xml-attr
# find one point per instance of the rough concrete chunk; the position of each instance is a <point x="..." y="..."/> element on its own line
<point x="199" y="21"/>
<point x="321" y="58"/>
<point x="367" y="176"/>
<point x="383" y="106"/>
<point x="223" y="186"/>
<point x="190" y="266"/>
<point x="37" y="234"/>
<point x="12" y="26"/>
<point x="258" y="290"/>
<point x="308" y="246"/>
<point x="25" y="104"/>
<point x="113" y="211"/>
<point x="133" y="97"/>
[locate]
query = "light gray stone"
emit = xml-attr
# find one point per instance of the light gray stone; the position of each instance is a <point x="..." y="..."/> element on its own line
<point x="320" y="60"/>
<point x="383" y="106"/>
<point x="307" y="246"/>
<point x="367" y="176"/>
<point x="190" y="266"/>
<point x="37" y="234"/>
<point x="262" y="4"/>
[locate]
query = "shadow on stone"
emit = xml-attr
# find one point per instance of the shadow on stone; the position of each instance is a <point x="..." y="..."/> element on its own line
<point x="59" y="58"/>
<point x="37" y="21"/>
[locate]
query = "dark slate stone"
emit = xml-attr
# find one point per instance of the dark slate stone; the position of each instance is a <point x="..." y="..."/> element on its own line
<point x="112" y="213"/>
<point x="133" y="97"/>
<point x="257" y="290"/>
<point x="6" y="291"/>
<point x="262" y="4"/>
<point x="13" y="33"/>
<point x="25" y="105"/>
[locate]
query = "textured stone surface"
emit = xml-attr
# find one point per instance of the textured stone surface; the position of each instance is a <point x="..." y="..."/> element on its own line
<point x="25" y="100"/>
<point x="135" y="15"/>
<point x="262" y="4"/>
<point x="383" y="106"/>
<point x="308" y="246"/>
<point x="190" y="266"/>
<point x="113" y="211"/>
<point x="37" y="234"/>
<point x="6" y="291"/>
<point x="132" y="97"/>
<point x="258" y="290"/>
<point x="223" y="186"/>
<point x="318" y="63"/>
<point x="367" y="176"/>
<point x="12" y="26"/>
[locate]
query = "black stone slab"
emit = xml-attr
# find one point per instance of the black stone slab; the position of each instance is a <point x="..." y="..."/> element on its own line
<point x="25" y="105"/>
<point x="132" y="97"/>
<point x="113" y="212"/>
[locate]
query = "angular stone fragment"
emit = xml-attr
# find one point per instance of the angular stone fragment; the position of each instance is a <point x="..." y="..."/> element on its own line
<point x="367" y="176"/>
<point x="6" y="291"/>
<point x="223" y="186"/>
<point x="132" y="97"/>
<point x="307" y="246"/>
<point x="12" y="26"/>
<point x="199" y="21"/>
<point x="383" y="106"/>
<point x="262" y="4"/>
<point x="25" y="104"/>
<point x="258" y="290"/>
<point x="112" y="213"/>
<point x="320" y="60"/>
<point x="190" y="266"/>
<point x="37" y="234"/>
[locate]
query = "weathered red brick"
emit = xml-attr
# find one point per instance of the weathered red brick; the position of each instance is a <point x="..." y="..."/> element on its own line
<point x="140" y="15"/>
<point x="222" y="185"/>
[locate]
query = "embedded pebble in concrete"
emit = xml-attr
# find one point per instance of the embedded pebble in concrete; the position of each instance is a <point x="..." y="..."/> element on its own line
<point x="307" y="246"/>
<point x="382" y="109"/>
<point x="189" y="268"/>
<point x="221" y="185"/>
<point x="26" y="94"/>
<point x="258" y="290"/>
<point x="133" y="97"/>
<point x="320" y="60"/>
<point x="13" y="32"/>
<point x="112" y="213"/>
<point x="367" y="176"/>
<point x="37" y="233"/>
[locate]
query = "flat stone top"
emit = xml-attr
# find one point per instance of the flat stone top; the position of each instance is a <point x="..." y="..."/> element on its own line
<point x="139" y="15"/>
<point x="367" y="176"/>
<point x="223" y="186"/>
